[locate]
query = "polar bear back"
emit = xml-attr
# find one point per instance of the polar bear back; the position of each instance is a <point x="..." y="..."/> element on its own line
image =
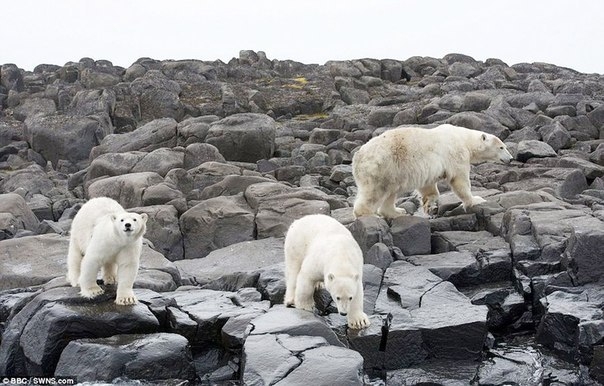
<point x="321" y="238"/>
<point x="431" y="154"/>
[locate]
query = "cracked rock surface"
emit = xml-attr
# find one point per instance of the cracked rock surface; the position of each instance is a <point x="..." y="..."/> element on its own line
<point x="222" y="157"/>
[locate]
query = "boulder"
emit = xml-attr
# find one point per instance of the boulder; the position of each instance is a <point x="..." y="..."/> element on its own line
<point x="66" y="137"/>
<point x="215" y="223"/>
<point x="411" y="234"/>
<point x="247" y="257"/>
<point x="244" y="137"/>
<point x="163" y="230"/>
<point x="154" y="135"/>
<point x="24" y="218"/>
<point x="152" y="357"/>
<point x="127" y="189"/>
<point x="36" y="336"/>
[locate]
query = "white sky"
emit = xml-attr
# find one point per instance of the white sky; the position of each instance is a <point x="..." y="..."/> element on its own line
<point x="563" y="32"/>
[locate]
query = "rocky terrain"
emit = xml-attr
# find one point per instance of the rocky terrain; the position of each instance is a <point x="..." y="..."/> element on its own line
<point x="224" y="156"/>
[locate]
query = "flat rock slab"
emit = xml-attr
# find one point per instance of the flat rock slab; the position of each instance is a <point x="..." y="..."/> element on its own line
<point x="466" y="268"/>
<point x="247" y="256"/>
<point x="572" y="323"/>
<point x="430" y="320"/>
<point x="282" y="359"/>
<point x="35" y="260"/>
<point x="133" y="356"/>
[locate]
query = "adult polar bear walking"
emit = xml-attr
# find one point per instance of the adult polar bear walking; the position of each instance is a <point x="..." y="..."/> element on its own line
<point x="105" y="237"/>
<point x="320" y="249"/>
<point x="408" y="158"/>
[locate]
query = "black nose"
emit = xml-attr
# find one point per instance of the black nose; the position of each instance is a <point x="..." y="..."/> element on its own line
<point x="128" y="225"/>
<point x="343" y="313"/>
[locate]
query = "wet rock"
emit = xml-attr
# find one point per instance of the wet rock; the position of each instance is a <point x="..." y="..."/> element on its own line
<point x="430" y="319"/>
<point x="434" y="372"/>
<point x="211" y="310"/>
<point x="571" y="325"/>
<point x="36" y="336"/>
<point x="149" y="357"/>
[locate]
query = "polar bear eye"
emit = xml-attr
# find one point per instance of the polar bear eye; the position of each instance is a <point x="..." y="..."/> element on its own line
<point x="134" y="219"/>
<point x="501" y="147"/>
<point x="338" y="298"/>
<point x="122" y="220"/>
<point x="350" y="298"/>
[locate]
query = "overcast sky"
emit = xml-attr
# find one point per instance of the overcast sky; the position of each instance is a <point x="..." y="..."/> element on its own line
<point x="562" y="32"/>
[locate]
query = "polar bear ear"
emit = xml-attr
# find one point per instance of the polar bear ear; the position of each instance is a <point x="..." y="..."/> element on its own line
<point x="356" y="277"/>
<point x="330" y="277"/>
<point x="144" y="217"/>
<point x="113" y="217"/>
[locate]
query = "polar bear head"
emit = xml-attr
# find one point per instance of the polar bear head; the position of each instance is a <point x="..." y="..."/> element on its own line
<point x="130" y="224"/>
<point x="490" y="149"/>
<point x="342" y="289"/>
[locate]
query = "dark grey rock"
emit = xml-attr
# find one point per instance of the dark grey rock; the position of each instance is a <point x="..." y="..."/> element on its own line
<point x="216" y="223"/>
<point x="584" y="253"/>
<point x="571" y="325"/>
<point x="556" y="136"/>
<point x="16" y="206"/>
<point x="36" y="336"/>
<point x="66" y="137"/>
<point x="198" y="153"/>
<point x="148" y="357"/>
<point x="163" y="230"/>
<point x="245" y="257"/>
<point x="368" y="230"/>
<point x="528" y="149"/>
<point x="154" y="135"/>
<point x="244" y="137"/>
<point x="127" y="189"/>
<point x="411" y="234"/>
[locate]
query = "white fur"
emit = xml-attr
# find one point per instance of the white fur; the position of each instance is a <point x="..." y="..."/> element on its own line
<point x="100" y="240"/>
<point x="409" y="158"/>
<point x="320" y="249"/>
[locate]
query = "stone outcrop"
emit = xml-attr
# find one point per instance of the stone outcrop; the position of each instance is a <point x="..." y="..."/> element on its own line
<point x="223" y="157"/>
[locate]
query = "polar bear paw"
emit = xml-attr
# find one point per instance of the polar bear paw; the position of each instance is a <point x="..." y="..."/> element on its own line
<point x="289" y="302"/>
<point x="127" y="300"/>
<point x="91" y="292"/>
<point x="307" y="306"/>
<point x="358" y="321"/>
<point x="476" y="200"/>
<point x="109" y="279"/>
<point x="392" y="213"/>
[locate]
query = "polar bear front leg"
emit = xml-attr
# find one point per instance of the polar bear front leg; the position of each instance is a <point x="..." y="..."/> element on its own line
<point x="88" y="273"/>
<point x="126" y="274"/>
<point x="461" y="187"/>
<point x="292" y="269"/>
<point x="367" y="202"/>
<point x="305" y="290"/>
<point x="429" y="195"/>
<point x="357" y="319"/>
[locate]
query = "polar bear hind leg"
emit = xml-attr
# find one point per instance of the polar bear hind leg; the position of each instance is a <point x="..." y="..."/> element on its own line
<point x="388" y="210"/>
<point x="369" y="199"/>
<point x="109" y="273"/>
<point x="74" y="261"/>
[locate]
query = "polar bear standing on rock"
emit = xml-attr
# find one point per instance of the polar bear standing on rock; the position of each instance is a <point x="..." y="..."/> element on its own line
<point x="105" y="237"/>
<point x="318" y="249"/>
<point x="408" y="158"/>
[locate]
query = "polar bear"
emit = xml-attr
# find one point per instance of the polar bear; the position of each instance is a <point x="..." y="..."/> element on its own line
<point x="409" y="158"/>
<point x="105" y="237"/>
<point x="318" y="249"/>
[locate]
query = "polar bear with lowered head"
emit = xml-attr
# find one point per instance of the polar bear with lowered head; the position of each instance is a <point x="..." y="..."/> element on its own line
<point x="107" y="238"/>
<point x="318" y="249"/>
<point x="413" y="158"/>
